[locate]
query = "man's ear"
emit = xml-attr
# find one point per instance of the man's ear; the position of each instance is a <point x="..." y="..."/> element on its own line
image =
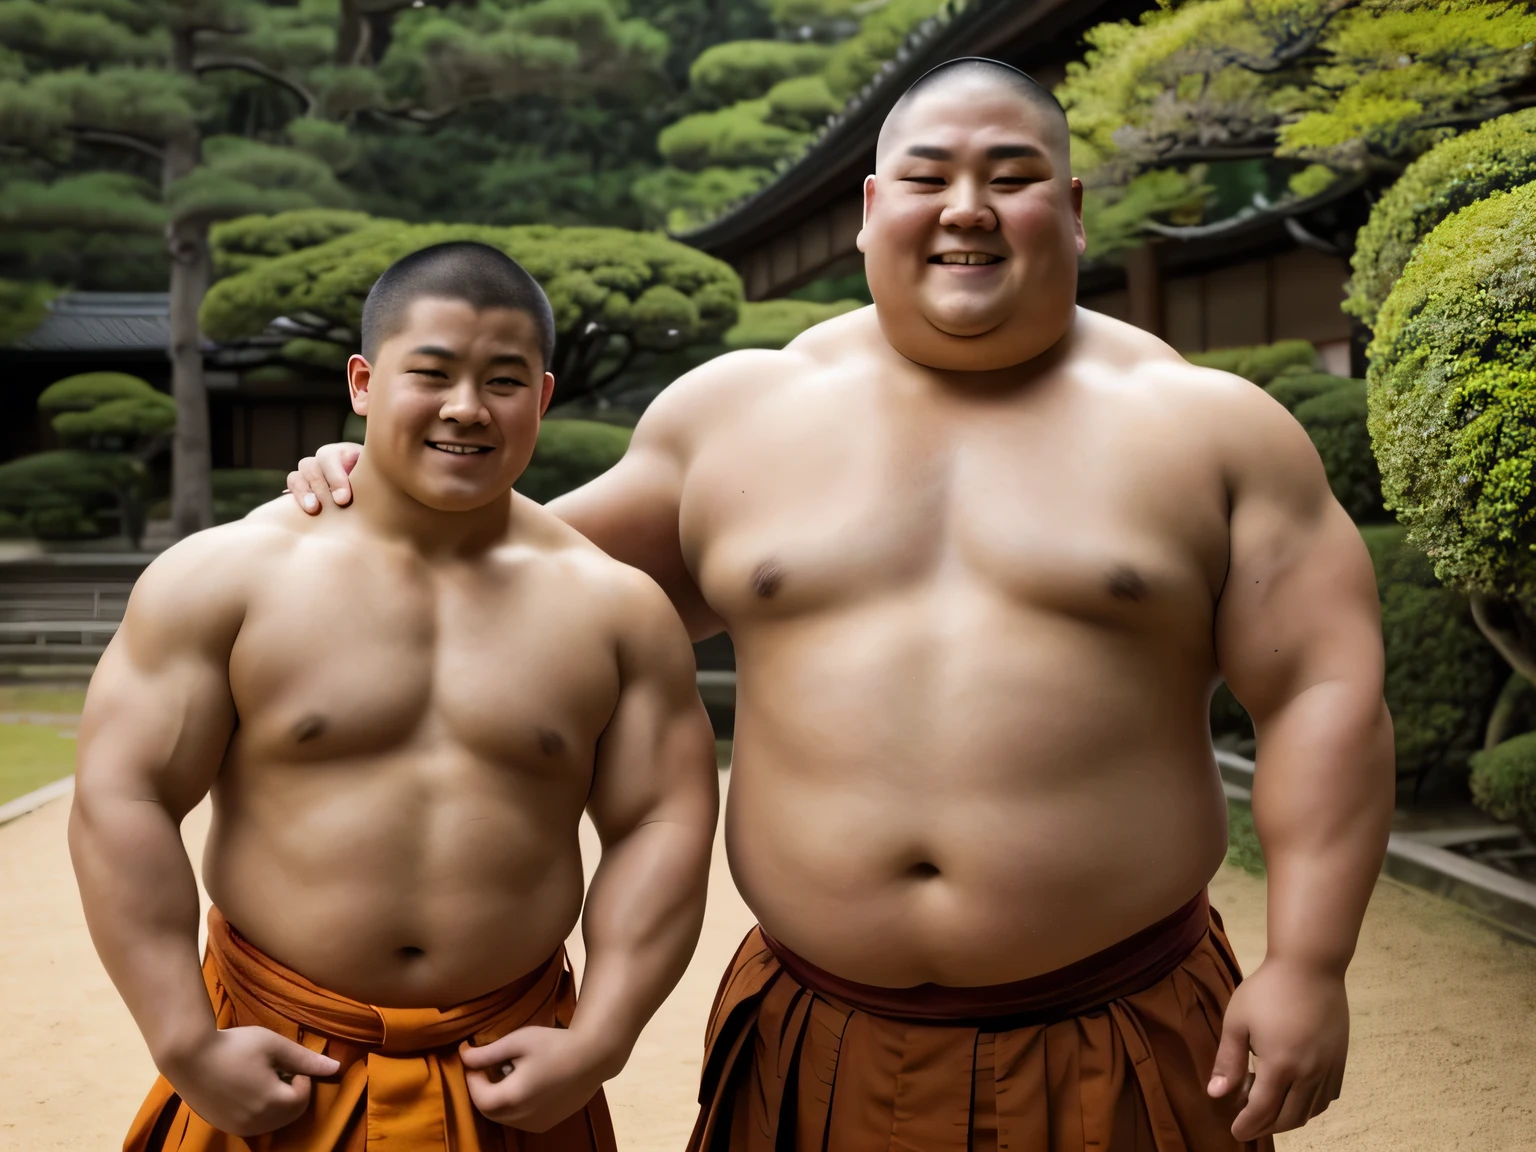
<point x="359" y="375"/>
<point x="869" y="199"/>
<point x="1077" y="215"/>
<point x="546" y="393"/>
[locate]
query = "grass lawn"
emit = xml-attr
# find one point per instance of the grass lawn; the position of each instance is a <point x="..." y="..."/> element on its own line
<point x="41" y="698"/>
<point x="32" y="755"/>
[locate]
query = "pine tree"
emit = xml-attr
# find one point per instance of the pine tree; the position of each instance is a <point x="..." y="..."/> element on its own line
<point x="140" y="117"/>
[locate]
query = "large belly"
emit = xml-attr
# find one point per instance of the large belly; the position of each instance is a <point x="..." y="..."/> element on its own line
<point x="967" y="797"/>
<point x="424" y="878"/>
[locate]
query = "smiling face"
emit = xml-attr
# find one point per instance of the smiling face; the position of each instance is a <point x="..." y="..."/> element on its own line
<point x="973" y="227"/>
<point x="453" y="400"/>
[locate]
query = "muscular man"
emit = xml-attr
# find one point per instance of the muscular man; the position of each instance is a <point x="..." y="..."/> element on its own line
<point x="984" y="557"/>
<point x="393" y="859"/>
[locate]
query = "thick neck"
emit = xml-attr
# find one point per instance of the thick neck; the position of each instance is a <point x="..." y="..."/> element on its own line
<point x="394" y="513"/>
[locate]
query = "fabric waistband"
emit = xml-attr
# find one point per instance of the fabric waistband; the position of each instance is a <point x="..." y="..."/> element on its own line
<point x="1134" y="964"/>
<point x="265" y="985"/>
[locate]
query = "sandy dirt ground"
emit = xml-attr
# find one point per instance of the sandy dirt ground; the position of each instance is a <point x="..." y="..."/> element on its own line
<point x="1443" y="1055"/>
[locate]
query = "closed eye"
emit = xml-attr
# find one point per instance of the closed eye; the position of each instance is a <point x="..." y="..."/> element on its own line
<point x="507" y="382"/>
<point x="432" y="373"/>
<point x="1016" y="180"/>
<point x="938" y="180"/>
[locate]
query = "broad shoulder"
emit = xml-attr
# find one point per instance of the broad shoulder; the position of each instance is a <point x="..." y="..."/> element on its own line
<point x="729" y="387"/>
<point x="201" y="586"/>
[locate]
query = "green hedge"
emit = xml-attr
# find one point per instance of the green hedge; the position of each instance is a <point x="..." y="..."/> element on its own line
<point x="1504" y="782"/>
<point x="1261" y="363"/>
<point x="1452" y="400"/>
<point x="569" y="453"/>
<point x="1293" y="388"/>
<point x="774" y="323"/>
<point x="1442" y="678"/>
<point x="1496" y="157"/>
<point x="1335" y="419"/>
<point x="1442" y="675"/>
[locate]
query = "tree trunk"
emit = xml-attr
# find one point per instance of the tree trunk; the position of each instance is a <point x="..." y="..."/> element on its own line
<point x="1512" y="701"/>
<point x="1509" y="630"/>
<point x="191" y="455"/>
<point x="187" y="243"/>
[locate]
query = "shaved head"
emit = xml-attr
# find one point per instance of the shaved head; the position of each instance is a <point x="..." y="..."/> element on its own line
<point x="973" y="69"/>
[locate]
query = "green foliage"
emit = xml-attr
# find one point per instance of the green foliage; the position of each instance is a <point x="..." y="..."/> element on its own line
<point x="246" y="241"/>
<point x="801" y="104"/>
<point x="1261" y="363"/>
<point x="73" y="494"/>
<point x="91" y="389"/>
<point x="603" y="283"/>
<point x="1294" y="388"/>
<point x="236" y="491"/>
<point x="570" y="453"/>
<point x="774" y="323"/>
<point x="109" y="411"/>
<point x="1243" y="850"/>
<point x="105" y="201"/>
<point x="79" y="37"/>
<point x="318" y="353"/>
<point x="241" y="177"/>
<point x="1497" y="157"/>
<point x="1453" y="396"/>
<point x="22" y="308"/>
<point x="738" y="136"/>
<point x="856" y="60"/>
<point x="1442" y="677"/>
<point x="1326" y="88"/>
<point x="681" y="200"/>
<point x="812" y="13"/>
<point x="1112" y="217"/>
<point x="1336" y="422"/>
<point x="829" y="289"/>
<point x="120" y="422"/>
<point x="1504" y="781"/>
<point x="747" y="69"/>
<point x="326" y="141"/>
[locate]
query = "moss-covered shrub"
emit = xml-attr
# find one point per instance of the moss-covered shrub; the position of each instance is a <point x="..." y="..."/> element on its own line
<point x="568" y="454"/>
<point x="1453" y="397"/>
<point x="1442" y="677"/>
<point x="1504" y="782"/>
<point x="1336" y="422"/>
<point x="747" y="69"/>
<point x="1496" y="157"/>
<point x="1261" y="363"/>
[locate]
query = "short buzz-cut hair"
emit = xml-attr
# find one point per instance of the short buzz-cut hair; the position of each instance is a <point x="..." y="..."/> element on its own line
<point x="479" y="275"/>
<point x="964" y="66"/>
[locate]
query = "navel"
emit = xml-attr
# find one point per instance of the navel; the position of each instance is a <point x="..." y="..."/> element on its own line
<point x="923" y="870"/>
<point x="766" y="578"/>
<point x="1125" y="583"/>
<point x="309" y="726"/>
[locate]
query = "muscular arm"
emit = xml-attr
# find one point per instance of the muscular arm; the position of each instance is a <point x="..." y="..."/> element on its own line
<point x="1298" y="636"/>
<point x="157" y="718"/>
<point x="654" y="802"/>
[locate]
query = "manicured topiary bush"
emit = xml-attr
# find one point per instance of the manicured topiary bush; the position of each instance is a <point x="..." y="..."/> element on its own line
<point x="1453" y="397"/>
<point x="1335" y="419"/>
<point x="1261" y="363"/>
<point x="1496" y="157"/>
<point x="75" y="495"/>
<point x="1442" y="677"/>
<point x="1293" y="388"/>
<point x="774" y="323"/>
<point x="569" y="453"/>
<point x="1504" y="782"/>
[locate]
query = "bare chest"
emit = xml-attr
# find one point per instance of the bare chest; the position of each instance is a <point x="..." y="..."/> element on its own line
<point x="1068" y="507"/>
<point x="341" y="659"/>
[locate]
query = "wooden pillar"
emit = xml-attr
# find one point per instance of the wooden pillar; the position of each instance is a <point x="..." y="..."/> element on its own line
<point x="1144" y="286"/>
